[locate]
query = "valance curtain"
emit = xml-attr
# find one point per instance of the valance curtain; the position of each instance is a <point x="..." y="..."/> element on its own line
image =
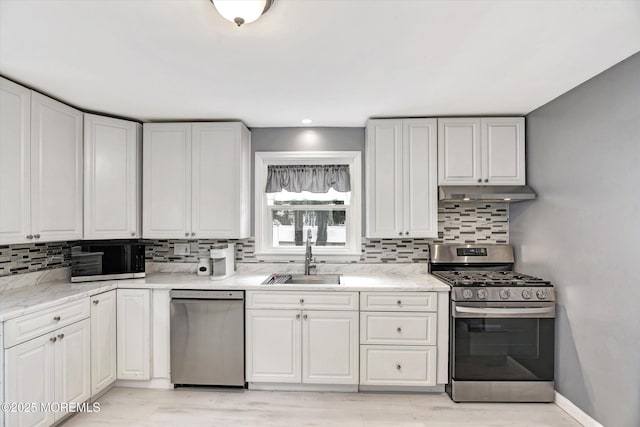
<point x="312" y="178"/>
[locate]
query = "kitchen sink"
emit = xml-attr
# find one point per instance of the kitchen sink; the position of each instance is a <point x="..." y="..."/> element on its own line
<point x="302" y="279"/>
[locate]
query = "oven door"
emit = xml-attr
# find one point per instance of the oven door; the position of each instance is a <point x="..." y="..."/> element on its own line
<point x="502" y="342"/>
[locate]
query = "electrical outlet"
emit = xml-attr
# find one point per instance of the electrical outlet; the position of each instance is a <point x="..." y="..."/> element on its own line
<point x="181" y="249"/>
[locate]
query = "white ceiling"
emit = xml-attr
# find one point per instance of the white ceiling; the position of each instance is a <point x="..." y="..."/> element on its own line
<point x="335" y="61"/>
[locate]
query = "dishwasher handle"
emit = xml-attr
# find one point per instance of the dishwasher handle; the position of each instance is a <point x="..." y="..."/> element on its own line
<point x="194" y="294"/>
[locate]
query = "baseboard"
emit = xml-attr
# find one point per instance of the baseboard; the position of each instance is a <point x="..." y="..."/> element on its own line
<point x="401" y="389"/>
<point x="340" y="388"/>
<point x="153" y="383"/>
<point x="570" y="408"/>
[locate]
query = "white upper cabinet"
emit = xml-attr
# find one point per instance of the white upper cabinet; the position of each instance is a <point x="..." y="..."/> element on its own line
<point x="503" y="156"/>
<point x="15" y="163"/>
<point x="401" y="178"/>
<point x="481" y="151"/>
<point x="56" y="170"/>
<point x="221" y="173"/>
<point x="166" y="180"/>
<point x="196" y="180"/>
<point x="111" y="178"/>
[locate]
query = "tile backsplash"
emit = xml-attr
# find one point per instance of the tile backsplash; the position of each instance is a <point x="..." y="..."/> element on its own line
<point x="474" y="222"/>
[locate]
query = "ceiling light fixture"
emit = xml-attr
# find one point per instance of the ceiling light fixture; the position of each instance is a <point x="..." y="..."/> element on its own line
<point x="307" y="121"/>
<point x="242" y="11"/>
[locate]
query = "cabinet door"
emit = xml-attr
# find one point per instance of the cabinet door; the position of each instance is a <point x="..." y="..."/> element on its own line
<point x="330" y="347"/>
<point x="273" y="346"/>
<point x="134" y="334"/>
<point x="73" y="364"/>
<point x="420" y="163"/>
<point x="459" y="151"/>
<point x="217" y="180"/>
<point x="503" y="155"/>
<point x="103" y="341"/>
<point x="167" y="180"/>
<point x="30" y="378"/>
<point x="112" y="178"/>
<point x="56" y="170"/>
<point x="15" y="166"/>
<point x="384" y="178"/>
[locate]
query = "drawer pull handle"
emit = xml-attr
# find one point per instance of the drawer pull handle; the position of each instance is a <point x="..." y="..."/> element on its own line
<point x="398" y="367"/>
<point x="305" y="317"/>
<point x="399" y="302"/>
<point x="95" y="301"/>
<point x="57" y="318"/>
<point x="399" y="330"/>
<point x="60" y="336"/>
<point x="53" y="339"/>
<point x="298" y="316"/>
<point x="301" y="300"/>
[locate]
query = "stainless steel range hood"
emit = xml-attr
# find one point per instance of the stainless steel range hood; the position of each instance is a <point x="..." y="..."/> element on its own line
<point x="485" y="193"/>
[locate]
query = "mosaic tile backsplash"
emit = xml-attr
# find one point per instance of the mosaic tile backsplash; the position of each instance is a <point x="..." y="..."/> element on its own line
<point x="457" y="223"/>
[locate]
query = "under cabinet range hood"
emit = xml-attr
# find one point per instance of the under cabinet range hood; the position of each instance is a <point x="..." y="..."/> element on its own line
<point x="485" y="193"/>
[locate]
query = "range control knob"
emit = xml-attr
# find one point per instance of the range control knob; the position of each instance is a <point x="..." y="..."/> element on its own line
<point x="527" y="294"/>
<point x="482" y="294"/>
<point x="467" y="293"/>
<point x="542" y="294"/>
<point x="505" y="293"/>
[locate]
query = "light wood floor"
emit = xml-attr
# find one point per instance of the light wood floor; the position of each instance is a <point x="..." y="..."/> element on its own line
<point x="186" y="408"/>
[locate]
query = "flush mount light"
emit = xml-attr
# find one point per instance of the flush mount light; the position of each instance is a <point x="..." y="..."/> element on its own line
<point x="242" y="11"/>
<point x="306" y="121"/>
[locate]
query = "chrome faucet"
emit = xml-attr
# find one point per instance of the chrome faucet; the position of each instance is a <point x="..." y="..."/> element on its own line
<point x="308" y="257"/>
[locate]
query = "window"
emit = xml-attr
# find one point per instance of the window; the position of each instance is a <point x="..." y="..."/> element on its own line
<point x="328" y="205"/>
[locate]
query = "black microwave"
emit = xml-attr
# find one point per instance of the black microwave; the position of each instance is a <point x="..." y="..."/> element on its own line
<point x="107" y="260"/>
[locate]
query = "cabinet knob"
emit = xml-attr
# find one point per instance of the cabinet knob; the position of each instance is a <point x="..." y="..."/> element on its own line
<point x="407" y="233"/>
<point x="57" y="318"/>
<point x="305" y="317"/>
<point x="186" y="234"/>
<point x="486" y="180"/>
<point x="398" y="367"/>
<point x="133" y="234"/>
<point x="30" y="236"/>
<point x="399" y="302"/>
<point x="60" y="336"/>
<point x="479" y="179"/>
<point x="95" y="301"/>
<point x="400" y="233"/>
<point x="298" y="316"/>
<point x="37" y="236"/>
<point x="399" y="330"/>
<point x="53" y="339"/>
<point x="193" y="234"/>
<point x="301" y="300"/>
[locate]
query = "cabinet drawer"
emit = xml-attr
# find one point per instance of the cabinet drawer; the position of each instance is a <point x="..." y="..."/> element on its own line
<point x="398" y="328"/>
<point x="302" y="300"/>
<point x="399" y="301"/>
<point x="29" y="326"/>
<point x="397" y="365"/>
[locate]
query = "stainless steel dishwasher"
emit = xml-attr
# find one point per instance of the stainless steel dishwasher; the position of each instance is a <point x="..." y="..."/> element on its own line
<point x="207" y="337"/>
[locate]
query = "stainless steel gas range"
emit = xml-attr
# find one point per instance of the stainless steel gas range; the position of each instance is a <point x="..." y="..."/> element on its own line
<point x="502" y="326"/>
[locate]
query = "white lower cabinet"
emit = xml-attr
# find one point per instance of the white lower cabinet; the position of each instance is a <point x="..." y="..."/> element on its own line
<point x="330" y="347"/>
<point x="399" y="339"/>
<point x="297" y="345"/>
<point x="103" y="341"/>
<point x="134" y="334"/>
<point x="52" y="368"/>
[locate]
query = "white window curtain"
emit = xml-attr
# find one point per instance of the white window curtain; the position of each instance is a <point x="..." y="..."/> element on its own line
<point x="312" y="178"/>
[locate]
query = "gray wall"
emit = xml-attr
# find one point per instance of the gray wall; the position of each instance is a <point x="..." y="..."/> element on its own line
<point x="305" y="139"/>
<point x="583" y="233"/>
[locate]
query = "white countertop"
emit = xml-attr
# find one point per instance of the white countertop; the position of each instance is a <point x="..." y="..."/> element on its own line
<point x="17" y="302"/>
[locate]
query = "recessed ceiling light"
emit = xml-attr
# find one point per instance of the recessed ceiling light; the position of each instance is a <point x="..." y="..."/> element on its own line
<point x="506" y="199"/>
<point x="307" y="121"/>
<point x="242" y="12"/>
<point x="466" y="199"/>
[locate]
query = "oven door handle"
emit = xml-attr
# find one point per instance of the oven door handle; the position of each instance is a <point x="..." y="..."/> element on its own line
<point x="534" y="312"/>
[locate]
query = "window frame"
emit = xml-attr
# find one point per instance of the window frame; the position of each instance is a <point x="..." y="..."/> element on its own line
<point x="264" y="249"/>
